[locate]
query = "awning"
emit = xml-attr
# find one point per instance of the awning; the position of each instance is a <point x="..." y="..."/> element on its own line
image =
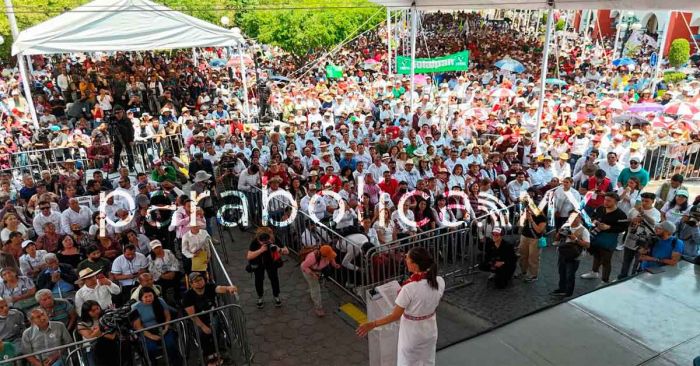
<point x="121" y="25"/>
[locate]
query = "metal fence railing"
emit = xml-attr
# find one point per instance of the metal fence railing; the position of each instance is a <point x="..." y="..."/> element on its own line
<point x="144" y="153"/>
<point x="454" y="249"/>
<point x="188" y="346"/>
<point x="662" y="162"/>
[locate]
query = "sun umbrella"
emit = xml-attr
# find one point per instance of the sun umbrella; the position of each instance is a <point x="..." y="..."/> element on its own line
<point x="687" y="126"/>
<point x="630" y="118"/>
<point x="614" y="103"/>
<point x="217" y="62"/>
<point x="509" y="64"/>
<point x="555" y="81"/>
<point x="502" y="93"/>
<point x="661" y="122"/>
<point x="235" y="61"/>
<point x="645" y="107"/>
<point x="681" y="109"/>
<point x="696" y="117"/>
<point x="624" y="61"/>
<point x="478" y="113"/>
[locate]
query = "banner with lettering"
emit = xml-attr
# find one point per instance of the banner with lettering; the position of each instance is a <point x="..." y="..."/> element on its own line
<point x="455" y="62"/>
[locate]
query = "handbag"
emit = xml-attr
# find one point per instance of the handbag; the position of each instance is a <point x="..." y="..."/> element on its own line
<point x="542" y="242"/>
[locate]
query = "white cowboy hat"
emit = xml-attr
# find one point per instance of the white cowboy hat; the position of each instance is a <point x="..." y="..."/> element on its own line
<point x="201" y="176"/>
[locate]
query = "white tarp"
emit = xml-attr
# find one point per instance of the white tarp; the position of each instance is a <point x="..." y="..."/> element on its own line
<point x="679" y="5"/>
<point x="120" y="25"/>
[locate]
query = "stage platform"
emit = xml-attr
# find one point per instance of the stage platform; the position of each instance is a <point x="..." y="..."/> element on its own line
<point x="652" y="319"/>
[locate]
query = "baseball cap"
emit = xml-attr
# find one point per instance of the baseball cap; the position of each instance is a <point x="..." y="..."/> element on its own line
<point x="667" y="226"/>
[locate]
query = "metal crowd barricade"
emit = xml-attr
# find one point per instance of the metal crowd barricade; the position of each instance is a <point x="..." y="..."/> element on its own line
<point x="36" y="160"/>
<point x="227" y="322"/>
<point x="664" y="161"/>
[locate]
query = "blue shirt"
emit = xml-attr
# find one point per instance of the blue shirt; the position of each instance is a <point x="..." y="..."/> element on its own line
<point x="663" y="249"/>
<point x="146" y="314"/>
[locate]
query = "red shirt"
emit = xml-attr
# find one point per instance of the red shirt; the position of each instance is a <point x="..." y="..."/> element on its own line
<point x="333" y="180"/>
<point x="389" y="187"/>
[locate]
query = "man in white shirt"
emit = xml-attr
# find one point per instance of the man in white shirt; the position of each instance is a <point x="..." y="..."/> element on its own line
<point x="75" y="217"/>
<point x="378" y="168"/>
<point x="96" y="287"/>
<point x="611" y="167"/>
<point x="46" y="215"/>
<point x="319" y="208"/>
<point x="517" y="187"/>
<point x="127" y="267"/>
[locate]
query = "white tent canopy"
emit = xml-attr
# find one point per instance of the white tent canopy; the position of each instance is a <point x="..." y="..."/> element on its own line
<point x="121" y="25"/>
<point x="540" y="4"/>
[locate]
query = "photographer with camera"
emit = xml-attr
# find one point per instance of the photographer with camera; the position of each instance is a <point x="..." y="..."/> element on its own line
<point x="642" y="218"/>
<point x="122" y="131"/>
<point x="689" y="231"/>
<point x="665" y="249"/>
<point x="608" y="221"/>
<point x="265" y="256"/>
<point x="573" y="238"/>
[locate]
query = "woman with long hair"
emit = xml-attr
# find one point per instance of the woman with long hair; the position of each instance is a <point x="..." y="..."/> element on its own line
<point x="151" y="310"/>
<point x="415" y="306"/>
<point x="674" y="210"/>
<point x="423" y="216"/>
<point x="106" y="345"/>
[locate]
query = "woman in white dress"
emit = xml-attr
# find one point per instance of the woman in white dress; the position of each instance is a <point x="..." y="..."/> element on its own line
<point x="415" y="306"/>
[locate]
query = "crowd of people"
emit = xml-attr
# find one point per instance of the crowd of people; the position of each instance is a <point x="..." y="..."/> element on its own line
<point x="154" y="126"/>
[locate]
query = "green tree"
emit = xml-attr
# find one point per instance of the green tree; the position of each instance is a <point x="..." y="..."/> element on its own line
<point x="679" y="53"/>
<point x="561" y="23"/>
<point x="304" y="26"/>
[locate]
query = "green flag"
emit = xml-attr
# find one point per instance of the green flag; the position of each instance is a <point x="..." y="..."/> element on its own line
<point x="334" y="72"/>
<point x="455" y="62"/>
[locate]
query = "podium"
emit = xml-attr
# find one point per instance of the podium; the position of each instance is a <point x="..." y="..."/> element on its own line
<point x="383" y="341"/>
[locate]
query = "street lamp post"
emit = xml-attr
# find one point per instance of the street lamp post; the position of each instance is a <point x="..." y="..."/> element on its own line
<point x="629" y="23"/>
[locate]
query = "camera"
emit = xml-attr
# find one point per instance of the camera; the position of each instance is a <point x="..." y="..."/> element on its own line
<point x="118" y="319"/>
<point x="565" y="231"/>
<point x="273" y="248"/>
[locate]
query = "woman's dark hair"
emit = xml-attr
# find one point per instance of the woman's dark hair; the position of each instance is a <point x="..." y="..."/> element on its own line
<point x="158" y="310"/>
<point x="85" y="310"/>
<point x="425" y="263"/>
<point x="682" y="207"/>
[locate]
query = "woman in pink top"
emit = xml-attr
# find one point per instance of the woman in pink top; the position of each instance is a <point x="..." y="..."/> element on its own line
<point x="311" y="268"/>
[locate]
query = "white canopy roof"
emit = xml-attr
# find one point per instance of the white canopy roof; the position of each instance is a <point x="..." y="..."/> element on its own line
<point x="121" y="25"/>
<point x="542" y="4"/>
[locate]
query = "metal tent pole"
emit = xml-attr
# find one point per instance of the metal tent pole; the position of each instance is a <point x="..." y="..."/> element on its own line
<point x="543" y="74"/>
<point x="388" y="39"/>
<point x="244" y="80"/>
<point x="10" y="11"/>
<point x="414" y="22"/>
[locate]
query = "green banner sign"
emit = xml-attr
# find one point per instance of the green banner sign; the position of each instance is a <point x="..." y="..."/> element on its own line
<point x="455" y="62"/>
<point x="334" y="72"/>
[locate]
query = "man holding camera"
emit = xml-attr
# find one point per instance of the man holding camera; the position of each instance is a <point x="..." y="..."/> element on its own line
<point x="573" y="238"/>
<point x="664" y="250"/>
<point x="608" y="221"/>
<point x="641" y="229"/>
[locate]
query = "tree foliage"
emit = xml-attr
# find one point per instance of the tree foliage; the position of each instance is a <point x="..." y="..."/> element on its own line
<point x="679" y="53"/>
<point x="309" y="27"/>
<point x="561" y="23"/>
